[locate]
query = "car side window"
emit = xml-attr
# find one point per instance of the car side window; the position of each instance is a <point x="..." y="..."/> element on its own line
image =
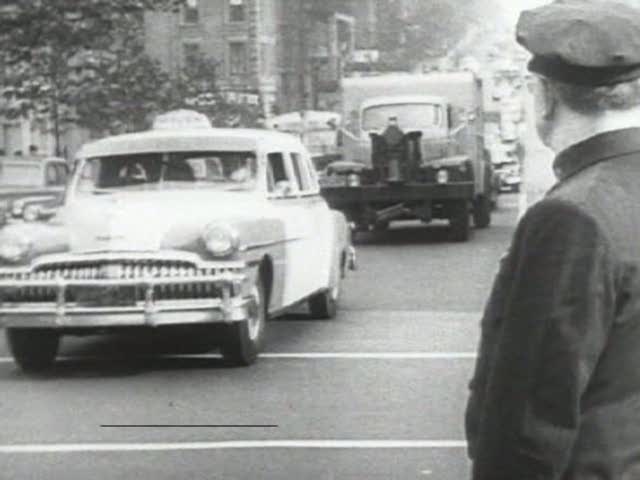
<point x="63" y="173"/>
<point x="51" y="175"/>
<point x="278" y="180"/>
<point x="302" y="174"/>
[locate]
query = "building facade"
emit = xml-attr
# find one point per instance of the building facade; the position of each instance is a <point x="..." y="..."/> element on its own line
<point x="282" y="53"/>
<point x="239" y="35"/>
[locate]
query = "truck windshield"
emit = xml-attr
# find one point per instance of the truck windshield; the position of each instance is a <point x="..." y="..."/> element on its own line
<point x="411" y="116"/>
<point x="177" y="170"/>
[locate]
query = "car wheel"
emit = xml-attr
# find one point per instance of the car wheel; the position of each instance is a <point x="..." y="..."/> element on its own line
<point x="381" y="226"/>
<point x="482" y="212"/>
<point x="243" y="340"/>
<point x="324" y="305"/>
<point x="33" y="349"/>
<point x="459" y="222"/>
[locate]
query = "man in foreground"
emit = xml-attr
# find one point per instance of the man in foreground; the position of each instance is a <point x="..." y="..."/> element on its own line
<point x="556" y="391"/>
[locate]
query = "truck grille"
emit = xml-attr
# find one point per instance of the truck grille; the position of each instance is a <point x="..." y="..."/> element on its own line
<point x="114" y="270"/>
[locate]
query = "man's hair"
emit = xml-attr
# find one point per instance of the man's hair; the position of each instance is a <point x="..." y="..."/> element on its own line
<point x="593" y="100"/>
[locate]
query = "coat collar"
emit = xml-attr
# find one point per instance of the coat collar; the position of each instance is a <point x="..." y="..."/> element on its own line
<point x="601" y="147"/>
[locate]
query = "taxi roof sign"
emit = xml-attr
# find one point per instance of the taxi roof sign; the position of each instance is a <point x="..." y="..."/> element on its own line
<point x="180" y="120"/>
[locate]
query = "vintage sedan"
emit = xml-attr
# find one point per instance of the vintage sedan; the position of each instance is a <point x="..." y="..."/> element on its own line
<point x="180" y="225"/>
<point x="32" y="187"/>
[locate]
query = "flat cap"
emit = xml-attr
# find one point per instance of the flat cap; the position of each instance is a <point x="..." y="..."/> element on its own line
<point x="583" y="42"/>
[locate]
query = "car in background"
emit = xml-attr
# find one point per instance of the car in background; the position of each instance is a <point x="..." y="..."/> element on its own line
<point x="318" y="131"/>
<point x="32" y="188"/>
<point x="507" y="167"/>
<point x="183" y="225"/>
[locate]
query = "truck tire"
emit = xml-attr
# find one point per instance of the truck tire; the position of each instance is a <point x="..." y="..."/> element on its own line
<point x="482" y="212"/>
<point x="459" y="221"/>
<point x="33" y="349"/>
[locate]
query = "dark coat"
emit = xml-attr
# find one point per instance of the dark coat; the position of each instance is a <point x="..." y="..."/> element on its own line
<point x="556" y="391"/>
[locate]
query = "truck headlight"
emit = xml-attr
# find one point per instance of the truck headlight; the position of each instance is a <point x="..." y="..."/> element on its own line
<point x="13" y="248"/>
<point x="353" y="180"/>
<point x="221" y="240"/>
<point x="442" y="176"/>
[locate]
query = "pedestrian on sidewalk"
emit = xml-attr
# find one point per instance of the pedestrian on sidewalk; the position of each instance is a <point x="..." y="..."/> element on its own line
<point x="556" y="389"/>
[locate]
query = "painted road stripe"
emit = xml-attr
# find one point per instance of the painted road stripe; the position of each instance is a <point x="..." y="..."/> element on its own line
<point x="233" y="445"/>
<point x="285" y="356"/>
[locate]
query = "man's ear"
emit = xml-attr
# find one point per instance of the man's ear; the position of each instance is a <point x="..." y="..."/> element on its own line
<point x="548" y="100"/>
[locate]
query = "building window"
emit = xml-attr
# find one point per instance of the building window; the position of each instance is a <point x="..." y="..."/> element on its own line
<point x="237" y="58"/>
<point x="266" y="59"/>
<point x="236" y="11"/>
<point x="190" y="12"/>
<point x="190" y="53"/>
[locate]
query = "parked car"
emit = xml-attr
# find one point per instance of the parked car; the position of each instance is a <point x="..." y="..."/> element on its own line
<point x="181" y="225"/>
<point x="32" y="188"/>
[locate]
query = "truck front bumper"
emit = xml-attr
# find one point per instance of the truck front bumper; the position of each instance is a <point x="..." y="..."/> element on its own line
<point x="233" y="305"/>
<point x="345" y="197"/>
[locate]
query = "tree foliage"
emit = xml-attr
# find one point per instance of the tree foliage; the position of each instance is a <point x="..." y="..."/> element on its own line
<point x="85" y="62"/>
<point x="58" y="55"/>
<point x="430" y="28"/>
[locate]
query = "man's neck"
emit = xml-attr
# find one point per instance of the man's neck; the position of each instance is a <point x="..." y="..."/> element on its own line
<point x="572" y="128"/>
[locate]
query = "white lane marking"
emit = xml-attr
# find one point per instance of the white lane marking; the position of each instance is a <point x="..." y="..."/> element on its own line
<point x="426" y="472"/>
<point x="286" y="356"/>
<point x="233" y="445"/>
<point x="376" y="355"/>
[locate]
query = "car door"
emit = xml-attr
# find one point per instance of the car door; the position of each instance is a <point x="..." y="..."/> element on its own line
<point x="300" y="208"/>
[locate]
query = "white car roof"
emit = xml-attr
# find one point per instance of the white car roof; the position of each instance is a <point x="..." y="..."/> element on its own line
<point x="191" y="140"/>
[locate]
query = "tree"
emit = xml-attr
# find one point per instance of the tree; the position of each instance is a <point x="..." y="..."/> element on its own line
<point x="195" y="88"/>
<point x="51" y="46"/>
<point x="120" y="87"/>
<point x="429" y="29"/>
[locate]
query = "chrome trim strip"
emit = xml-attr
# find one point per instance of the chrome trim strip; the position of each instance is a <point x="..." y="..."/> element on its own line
<point x="59" y="282"/>
<point x="105" y="256"/>
<point x="271" y="243"/>
<point x="83" y="317"/>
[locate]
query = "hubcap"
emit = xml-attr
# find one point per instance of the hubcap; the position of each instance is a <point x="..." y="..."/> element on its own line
<point x="256" y="312"/>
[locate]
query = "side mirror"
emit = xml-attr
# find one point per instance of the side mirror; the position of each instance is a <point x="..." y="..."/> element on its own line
<point x="283" y="188"/>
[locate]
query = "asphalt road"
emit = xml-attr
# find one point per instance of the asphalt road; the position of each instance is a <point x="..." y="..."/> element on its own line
<point x="377" y="393"/>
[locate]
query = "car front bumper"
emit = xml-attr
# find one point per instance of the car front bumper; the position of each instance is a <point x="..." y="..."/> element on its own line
<point x="233" y="304"/>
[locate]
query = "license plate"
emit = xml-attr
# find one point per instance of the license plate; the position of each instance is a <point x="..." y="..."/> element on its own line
<point x="106" y="296"/>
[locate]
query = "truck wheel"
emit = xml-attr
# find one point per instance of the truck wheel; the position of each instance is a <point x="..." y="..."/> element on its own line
<point x="243" y="340"/>
<point x="482" y="212"/>
<point x="33" y="349"/>
<point x="381" y="226"/>
<point x="459" y="222"/>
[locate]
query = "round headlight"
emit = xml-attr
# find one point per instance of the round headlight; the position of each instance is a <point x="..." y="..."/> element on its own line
<point x="353" y="180"/>
<point x="31" y="213"/>
<point x="221" y="240"/>
<point x="13" y="249"/>
<point x="16" y="208"/>
<point x="442" y="176"/>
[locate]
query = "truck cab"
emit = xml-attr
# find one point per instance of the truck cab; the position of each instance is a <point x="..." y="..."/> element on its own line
<point x="413" y="148"/>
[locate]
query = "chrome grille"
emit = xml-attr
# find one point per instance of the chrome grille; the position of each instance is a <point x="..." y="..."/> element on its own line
<point x="114" y="270"/>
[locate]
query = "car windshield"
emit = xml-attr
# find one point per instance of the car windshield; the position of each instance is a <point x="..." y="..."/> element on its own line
<point x="176" y="170"/>
<point x="409" y="116"/>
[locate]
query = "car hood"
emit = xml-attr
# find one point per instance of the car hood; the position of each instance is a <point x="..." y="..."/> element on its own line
<point x="150" y="221"/>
